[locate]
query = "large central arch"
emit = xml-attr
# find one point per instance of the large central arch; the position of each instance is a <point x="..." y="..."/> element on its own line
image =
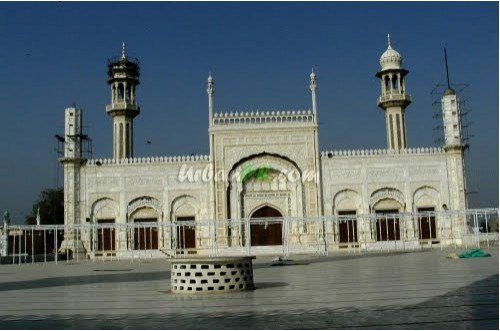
<point x="286" y="194"/>
<point x="266" y="227"/>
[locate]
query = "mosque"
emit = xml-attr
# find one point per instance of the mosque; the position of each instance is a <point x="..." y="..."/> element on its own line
<point x="261" y="165"/>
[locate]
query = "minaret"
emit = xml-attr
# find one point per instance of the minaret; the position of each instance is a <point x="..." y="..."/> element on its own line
<point x="454" y="146"/>
<point x="313" y="86"/>
<point x="210" y="92"/>
<point x="394" y="99"/>
<point x="451" y="114"/>
<point x="72" y="162"/>
<point x="123" y="78"/>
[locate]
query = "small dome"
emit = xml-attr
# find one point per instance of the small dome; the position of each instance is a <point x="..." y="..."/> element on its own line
<point x="449" y="91"/>
<point x="391" y="59"/>
<point x="313" y="75"/>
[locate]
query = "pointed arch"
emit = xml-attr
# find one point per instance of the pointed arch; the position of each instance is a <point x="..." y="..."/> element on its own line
<point x="104" y="208"/>
<point x="426" y="197"/>
<point x="184" y="205"/>
<point x="264" y="206"/>
<point x="144" y="202"/>
<point x="346" y="199"/>
<point x="385" y="195"/>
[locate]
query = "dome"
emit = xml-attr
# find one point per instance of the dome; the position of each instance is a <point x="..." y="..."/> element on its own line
<point x="449" y="91"/>
<point x="391" y="59"/>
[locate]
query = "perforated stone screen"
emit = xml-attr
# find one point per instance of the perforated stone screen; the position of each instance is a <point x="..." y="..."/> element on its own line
<point x="212" y="275"/>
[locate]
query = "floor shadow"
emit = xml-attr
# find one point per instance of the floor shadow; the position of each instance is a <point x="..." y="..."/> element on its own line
<point x="263" y="285"/>
<point x="470" y="307"/>
<point x="85" y="280"/>
<point x="330" y="258"/>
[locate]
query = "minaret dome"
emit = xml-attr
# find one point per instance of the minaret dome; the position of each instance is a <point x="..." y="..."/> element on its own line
<point x="123" y="78"/>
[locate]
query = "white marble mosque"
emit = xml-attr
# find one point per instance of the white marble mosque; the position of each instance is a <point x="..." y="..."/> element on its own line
<point x="261" y="164"/>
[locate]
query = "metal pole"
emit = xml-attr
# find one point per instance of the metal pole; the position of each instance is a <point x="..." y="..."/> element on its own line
<point x="387" y="230"/>
<point x="32" y="246"/>
<point x="395" y="233"/>
<point x="440" y="222"/>
<point x="20" y="247"/>
<point x="44" y="246"/>
<point x="465" y="220"/>
<point x="25" y="248"/>
<point x="13" y="248"/>
<point x="78" y="234"/>
<point x="476" y="222"/>
<point x="404" y="232"/>
<point x="249" y="236"/>
<point x="487" y="230"/>
<point x="55" y="241"/>
<point x="65" y="230"/>
<point x="94" y="235"/>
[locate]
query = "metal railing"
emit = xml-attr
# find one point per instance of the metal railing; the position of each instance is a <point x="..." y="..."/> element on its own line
<point x="256" y="236"/>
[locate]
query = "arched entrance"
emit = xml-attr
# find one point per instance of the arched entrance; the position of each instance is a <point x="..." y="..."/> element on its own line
<point x="266" y="227"/>
<point x="145" y="224"/>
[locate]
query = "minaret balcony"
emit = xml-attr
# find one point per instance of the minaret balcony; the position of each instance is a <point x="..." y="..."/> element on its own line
<point x="396" y="99"/>
<point x="123" y="108"/>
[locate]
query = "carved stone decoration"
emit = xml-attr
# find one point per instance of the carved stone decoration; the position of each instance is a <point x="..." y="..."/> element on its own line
<point x="346" y="200"/>
<point x="426" y="196"/>
<point x="144" y="202"/>
<point x="276" y="188"/>
<point x="387" y="193"/>
<point x="104" y="208"/>
<point x="184" y="205"/>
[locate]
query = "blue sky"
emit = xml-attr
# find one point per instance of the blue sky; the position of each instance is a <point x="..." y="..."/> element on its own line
<point x="55" y="54"/>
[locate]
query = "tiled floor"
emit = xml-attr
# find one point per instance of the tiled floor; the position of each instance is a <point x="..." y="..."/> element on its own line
<point x="401" y="290"/>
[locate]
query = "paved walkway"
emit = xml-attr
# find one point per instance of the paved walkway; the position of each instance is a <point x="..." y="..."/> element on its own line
<point x="422" y="290"/>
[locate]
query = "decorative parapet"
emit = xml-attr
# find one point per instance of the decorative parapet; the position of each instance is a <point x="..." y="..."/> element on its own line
<point x="375" y="152"/>
<point x="394" y="97"/>
<point x="264" y="117"/>
<point x="149" y="160"/>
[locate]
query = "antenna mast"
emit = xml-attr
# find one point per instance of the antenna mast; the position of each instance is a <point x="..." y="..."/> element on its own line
<point x="447" y="72"/>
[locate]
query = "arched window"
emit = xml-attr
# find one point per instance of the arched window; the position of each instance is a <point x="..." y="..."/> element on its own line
<point x="395" y="82"/>
<point x="387" y="83"/>
<point x="127" y="93"/>
<point x="120" y="92"/>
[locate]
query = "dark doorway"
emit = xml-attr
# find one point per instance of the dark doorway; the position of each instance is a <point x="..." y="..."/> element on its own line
<point x="186" y="233"/>
<point x="266" y="227"/>
<point x="387" y="226"/>
<point x="106" y="236"/>
<point x="145" y="235"/>
<point x="348" y="227"/>
<point x="427" y="224"/>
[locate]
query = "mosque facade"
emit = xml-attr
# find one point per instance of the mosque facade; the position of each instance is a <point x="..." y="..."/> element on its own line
<point x="262" y="165"/>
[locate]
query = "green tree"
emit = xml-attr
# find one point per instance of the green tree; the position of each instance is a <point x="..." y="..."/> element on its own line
<point x="51" y="204"/>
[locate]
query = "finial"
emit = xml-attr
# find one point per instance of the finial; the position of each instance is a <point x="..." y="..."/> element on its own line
<point x="389" y="40"/>
<point x="124" y="55"/>
<point x="210" y="83"/>
<point x="313" y="84"/>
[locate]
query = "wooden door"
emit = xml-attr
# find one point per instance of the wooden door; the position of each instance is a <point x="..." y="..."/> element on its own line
<point x="348" y="227"/>
<point x="145" y="236"/>
<point x="106" y="236"/>
<point x="427" y="224"/>
<point x="266" y="232"/>
<point x="186" y="233"/>
<point x="387" y="227"/>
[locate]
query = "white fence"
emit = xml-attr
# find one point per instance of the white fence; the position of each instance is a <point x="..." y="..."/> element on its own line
<point x="277" y="236"/>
